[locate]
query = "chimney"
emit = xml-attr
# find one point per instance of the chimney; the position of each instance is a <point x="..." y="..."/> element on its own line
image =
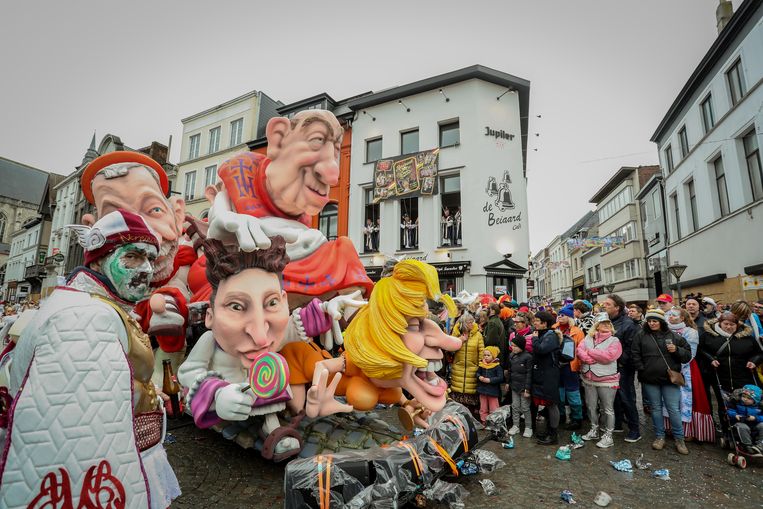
<point x="723" y="14"/>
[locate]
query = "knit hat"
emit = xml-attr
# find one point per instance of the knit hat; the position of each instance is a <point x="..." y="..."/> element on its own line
<point x="519" y="341"/>
<point x="753" y="392"/>
<point x="708" y="300"/>
<point x="513" y="304"/>
<point x="656" y="314"/>
<point x="111" y="231"/>
<point x="665" y="298"/>
<point x="567" y="311"/>
<point x="493" y="350"/>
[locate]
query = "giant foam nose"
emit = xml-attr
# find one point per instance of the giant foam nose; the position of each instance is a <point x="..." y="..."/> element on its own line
<point x="328" y="168"/>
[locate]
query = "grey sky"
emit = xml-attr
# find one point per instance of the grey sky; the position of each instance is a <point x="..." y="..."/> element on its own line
<point x="603" y="72"/>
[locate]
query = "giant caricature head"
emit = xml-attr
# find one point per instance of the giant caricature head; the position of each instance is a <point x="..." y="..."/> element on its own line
<point x="393" y="342"/>
<point x="248" y="310"/>
<point x="304" y="153"/>
<point x="134" y="182"/>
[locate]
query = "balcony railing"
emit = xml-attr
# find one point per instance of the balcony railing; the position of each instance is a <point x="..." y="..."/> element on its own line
<point x="34" y="271"/>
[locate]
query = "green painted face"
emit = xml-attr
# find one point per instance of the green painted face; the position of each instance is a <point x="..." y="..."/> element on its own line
<point x="130" y="269"/>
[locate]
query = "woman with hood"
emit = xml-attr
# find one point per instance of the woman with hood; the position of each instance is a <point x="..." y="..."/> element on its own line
<point x="656" y="351"/>
<point x="695" y="409"/>
<point x="727" y="347"/>
<point x="465" y="362"/>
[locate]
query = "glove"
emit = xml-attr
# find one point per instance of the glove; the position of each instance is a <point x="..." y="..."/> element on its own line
<point x="336" y="309"/>
<point x="233" y="405"/>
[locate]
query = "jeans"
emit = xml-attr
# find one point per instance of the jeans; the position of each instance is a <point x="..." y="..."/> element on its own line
<point x="670" y="396"/>
<point x="625" y="402"/>
<point x="604" y="396"/>
<point x="521" y="406"/>
<point x="745" y="433"/>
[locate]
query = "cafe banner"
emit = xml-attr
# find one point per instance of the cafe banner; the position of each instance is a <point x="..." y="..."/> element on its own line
<point x="406" y="176"/>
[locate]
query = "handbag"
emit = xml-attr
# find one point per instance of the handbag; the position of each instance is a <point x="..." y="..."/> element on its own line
<point x="675" y="377"/>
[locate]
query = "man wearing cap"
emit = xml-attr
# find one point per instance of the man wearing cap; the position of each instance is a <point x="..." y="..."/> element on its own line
<point x="81" y="382"/>
<point x="665" y="302"/>
<point x="135" y="182"/>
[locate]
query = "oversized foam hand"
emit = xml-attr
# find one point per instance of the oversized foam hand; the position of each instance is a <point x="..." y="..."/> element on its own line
<point x="320" y="397"/>
<point x="233" y="405"/>
<point x="249" y="232"/>
<point x="337" y="308"/>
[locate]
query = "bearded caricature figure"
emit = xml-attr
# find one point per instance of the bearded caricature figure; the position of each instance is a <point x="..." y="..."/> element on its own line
<point x="390" y="345"/>
<point x="134" y="182"/>
<point x="234" y="371"/>
<point x="259" y="197"/>
<point x="86" y="422"/>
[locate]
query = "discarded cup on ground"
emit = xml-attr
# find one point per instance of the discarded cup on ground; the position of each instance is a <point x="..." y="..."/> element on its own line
<point x="641" y="464"/>
<point x="509" y="444"/>
<point x="564" y="453"/>
<point x="577" y="441"/>
<point x="566" y="496"/>
<point x="602" y="499"/>
<point x="489" y="487"/>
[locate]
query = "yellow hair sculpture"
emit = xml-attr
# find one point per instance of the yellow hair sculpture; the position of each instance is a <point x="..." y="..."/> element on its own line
<point x="373" y="339"/>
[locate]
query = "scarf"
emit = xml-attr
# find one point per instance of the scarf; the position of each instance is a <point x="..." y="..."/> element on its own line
<point x="717" y="328"/>
<point x="564" y="328"/>
<point x="523" y="332"/>
<point x="488" y="366"/>
<point x="601" y="336"/>
<point x="677" y="327"/>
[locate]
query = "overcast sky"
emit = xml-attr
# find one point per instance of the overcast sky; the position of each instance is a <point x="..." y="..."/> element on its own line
<point x="603" y="73"/>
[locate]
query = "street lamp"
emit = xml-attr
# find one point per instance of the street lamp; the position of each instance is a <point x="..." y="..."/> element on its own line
<point x="677" y="269"/>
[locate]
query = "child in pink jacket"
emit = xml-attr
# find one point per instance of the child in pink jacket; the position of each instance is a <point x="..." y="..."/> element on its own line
<point x="598" y="354"/>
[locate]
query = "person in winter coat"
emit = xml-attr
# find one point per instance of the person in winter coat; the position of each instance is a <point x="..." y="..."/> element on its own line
<point x="569" y="386"/>
<point x="495" y="335"/>
<point x="746" y="415"/>
<point x="744" y="313"/>
<point x="728" y="349"/>
<point x="463" y="382"/>
<point x="545" y="377"/>
<point x="625" y="401"/>
<point x="523" y="328"/>
<point x="520" y="382"/>
<point x="583" y="317"/>
<point x="489" y="378"/>
<point x="655" y="350"/>
<point x="598" y="354"/>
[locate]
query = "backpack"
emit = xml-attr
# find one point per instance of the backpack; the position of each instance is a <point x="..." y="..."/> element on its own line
<point x="567" y="349"/>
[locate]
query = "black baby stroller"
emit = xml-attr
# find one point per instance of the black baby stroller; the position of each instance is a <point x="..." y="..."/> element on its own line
<point x="730" y="439"/>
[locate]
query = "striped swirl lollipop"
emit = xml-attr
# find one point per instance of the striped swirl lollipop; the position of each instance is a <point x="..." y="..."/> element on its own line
<point x="268" y="375"/>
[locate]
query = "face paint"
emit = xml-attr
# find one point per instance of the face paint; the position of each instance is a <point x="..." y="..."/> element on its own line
<point x="130" y="269"/>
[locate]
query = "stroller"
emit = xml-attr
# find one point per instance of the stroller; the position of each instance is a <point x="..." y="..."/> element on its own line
<point x="731" y="439"/>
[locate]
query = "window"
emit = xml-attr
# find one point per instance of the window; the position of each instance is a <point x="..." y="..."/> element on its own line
<point x="190" y="185"/>
<point x="754" y="168"/>
<point x="692" y="205"/>
<point x="627" y="232"/>
<point x="210" y="175"/>
<point x="450" y="134"/>
<point x="590" y="275"/>
<point x="214" y="140"/>
<point x="236" y="131"/>
<point x="674" y="205"/>
<point x="622" y="271"/>
<point x="450" y="210"/>
<point x="708" y="119"/>
<point x="328" y="221"/>
<point x="735" y="79"/>
<point x="372" y="223"/>
<point x="683" y="142"/>
<point x="409" y="223"/>
<point x="373" y="150"/>
<point x="597" y="268"/>
<point x="2" y="274"/>
<point x="409" y="142"/>
<point x="656" y="204"/>
<point x="3" y="222"/>
<point x="616" y="203"/>
<point x="720" y="186"/>
<point x="193" y="147"/>
<point x="669" y="159"/>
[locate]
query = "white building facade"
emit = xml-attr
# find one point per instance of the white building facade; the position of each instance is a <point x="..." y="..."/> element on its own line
<point x="709" y="145"/>
<point x="212" y="136"/>
<point x="478" y="118"/>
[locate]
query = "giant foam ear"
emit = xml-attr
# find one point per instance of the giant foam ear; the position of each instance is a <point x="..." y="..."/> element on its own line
<point x="178" y="210"/>
<point x="276" y="130"/>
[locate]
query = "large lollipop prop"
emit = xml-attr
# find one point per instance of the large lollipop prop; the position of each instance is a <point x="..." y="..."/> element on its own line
<point x="268" y="375"/>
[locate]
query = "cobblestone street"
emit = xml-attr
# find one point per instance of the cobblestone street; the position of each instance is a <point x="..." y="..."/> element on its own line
<point x="214" y="472"/>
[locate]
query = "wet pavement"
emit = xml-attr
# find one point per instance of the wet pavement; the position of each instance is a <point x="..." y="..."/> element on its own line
<point x="217" y="473"/>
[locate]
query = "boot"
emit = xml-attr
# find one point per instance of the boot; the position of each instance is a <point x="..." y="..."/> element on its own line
<point x="681" y="446"/>
<point x="550" y="439"/>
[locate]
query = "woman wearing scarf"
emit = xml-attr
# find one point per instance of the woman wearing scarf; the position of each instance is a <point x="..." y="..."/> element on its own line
<point x="466" y="360"/>
<point x="696" y="416"/>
